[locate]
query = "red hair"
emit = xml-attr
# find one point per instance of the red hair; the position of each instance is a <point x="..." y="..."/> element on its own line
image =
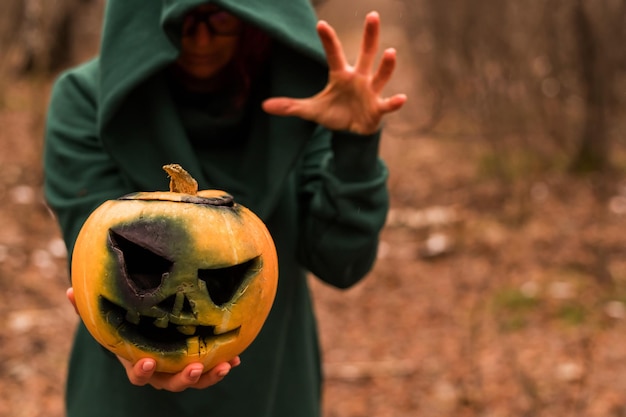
<point x="250" y="60"/>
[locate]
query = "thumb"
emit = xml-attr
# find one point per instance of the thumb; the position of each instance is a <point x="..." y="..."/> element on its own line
<point x="70" y="296"/>
<point x="284" y="106"/>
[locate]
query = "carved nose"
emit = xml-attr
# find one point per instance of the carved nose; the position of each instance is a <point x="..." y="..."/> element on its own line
<point x="177" y="305"/>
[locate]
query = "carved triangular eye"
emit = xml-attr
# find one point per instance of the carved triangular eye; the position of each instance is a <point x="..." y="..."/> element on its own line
<point x="223" y="283"/>
<point x="144" y="269"/>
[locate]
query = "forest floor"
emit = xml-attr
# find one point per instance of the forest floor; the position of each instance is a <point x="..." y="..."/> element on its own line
<point x="490" y="297"/>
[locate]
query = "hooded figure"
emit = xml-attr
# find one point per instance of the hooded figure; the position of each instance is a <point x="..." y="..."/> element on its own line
<point x="320" y="188"/>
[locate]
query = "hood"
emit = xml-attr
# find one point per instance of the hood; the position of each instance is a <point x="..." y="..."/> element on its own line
<point x="140" y="38"/>
<point x="137" y="120"/>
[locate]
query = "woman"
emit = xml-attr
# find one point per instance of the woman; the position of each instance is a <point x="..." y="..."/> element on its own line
<point x="245" y="97"/>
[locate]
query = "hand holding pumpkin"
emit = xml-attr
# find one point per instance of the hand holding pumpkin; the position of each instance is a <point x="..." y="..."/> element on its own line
<point x="352" y="98"/>
<point x="192" y="376"/>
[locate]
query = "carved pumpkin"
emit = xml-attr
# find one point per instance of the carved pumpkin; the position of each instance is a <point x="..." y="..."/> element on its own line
<point x="180" y="276"/>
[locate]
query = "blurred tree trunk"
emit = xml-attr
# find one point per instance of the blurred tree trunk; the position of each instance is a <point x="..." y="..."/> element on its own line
<point x="42" y="36"/>
<point x="10" y="17"/>
<point x="596" y="74"/>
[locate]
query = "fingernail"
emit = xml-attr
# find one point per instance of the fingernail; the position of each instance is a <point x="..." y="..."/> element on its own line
<point x="147" y="366"/>
<point x="195" y="373"/>
<point x="222" y="374"/>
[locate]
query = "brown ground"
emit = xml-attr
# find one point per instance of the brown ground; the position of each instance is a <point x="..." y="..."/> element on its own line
<point x="490" y="298"/>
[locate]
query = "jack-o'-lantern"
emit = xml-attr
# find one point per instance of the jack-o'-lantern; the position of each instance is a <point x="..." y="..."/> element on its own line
<point x="180" y="276"/>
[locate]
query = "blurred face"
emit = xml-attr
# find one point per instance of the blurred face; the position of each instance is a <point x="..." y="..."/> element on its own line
<point x="209" y="41"/>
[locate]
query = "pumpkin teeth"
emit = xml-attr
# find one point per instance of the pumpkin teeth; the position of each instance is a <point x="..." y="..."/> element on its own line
<point x="195" y="346"/>
<point x="133" y="318"/>
<point x="187" y="330"/>
<point x="162" y="322"/>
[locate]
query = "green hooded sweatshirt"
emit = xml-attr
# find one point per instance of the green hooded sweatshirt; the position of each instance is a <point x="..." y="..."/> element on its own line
<point x="114" y="121"/>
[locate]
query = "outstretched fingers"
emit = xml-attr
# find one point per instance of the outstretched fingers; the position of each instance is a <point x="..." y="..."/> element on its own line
<point x="369" y="44"/>
<point x="385" y="70"/>
<point x="392" y="103"/>
<point x="352" y="98"/>
<point x="332" y="46"/>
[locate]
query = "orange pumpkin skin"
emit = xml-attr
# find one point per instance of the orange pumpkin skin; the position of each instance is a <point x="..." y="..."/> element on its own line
<point x="168" y="276"/>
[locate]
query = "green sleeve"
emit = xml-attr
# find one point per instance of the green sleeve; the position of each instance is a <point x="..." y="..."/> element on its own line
<point x="78" y="174"/>
<point x="344" y="205"/>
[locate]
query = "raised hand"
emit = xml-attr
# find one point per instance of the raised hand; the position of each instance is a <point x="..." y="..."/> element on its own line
<point x="352" y="98"/>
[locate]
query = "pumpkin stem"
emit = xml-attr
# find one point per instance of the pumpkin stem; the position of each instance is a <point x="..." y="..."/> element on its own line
<point x="180" y="180"/>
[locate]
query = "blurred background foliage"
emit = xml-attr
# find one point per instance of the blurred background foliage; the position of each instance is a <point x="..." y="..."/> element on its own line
<point x="541" y="81"/>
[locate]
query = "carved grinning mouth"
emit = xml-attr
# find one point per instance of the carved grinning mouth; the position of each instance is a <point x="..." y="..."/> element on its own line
<point x="162" y="334"/>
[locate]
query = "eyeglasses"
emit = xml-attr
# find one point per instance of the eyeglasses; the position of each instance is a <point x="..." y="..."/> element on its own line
<point x="218" y="21"/>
